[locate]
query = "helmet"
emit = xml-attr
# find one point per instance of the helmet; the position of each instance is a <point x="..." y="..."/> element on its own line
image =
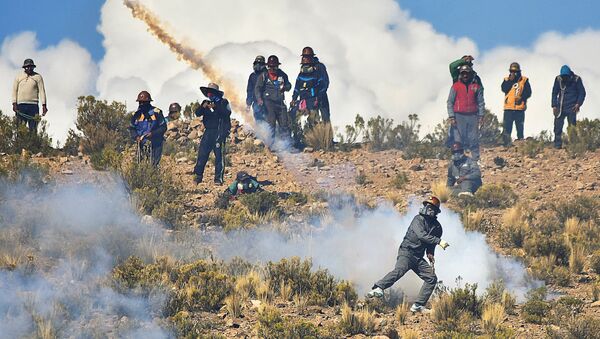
<point x="465" y="68"/>
<point x="457" y="147"/>
<point x="308" y="51"/>
<point x="174" y="107"/>
<point x="273" y="61"/>
<point x="143" y="97"/>
<point x="434" y="201"/>
<point x="242" y="175"/>
<point x="27" y="63"/>
<point x="307" y="60"/>
<point x="514" y="67"/>
<point x="259" y="59"/>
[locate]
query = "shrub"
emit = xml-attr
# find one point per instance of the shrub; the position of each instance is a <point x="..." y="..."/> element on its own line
<point x="234" y="304"/>
<point x="536" y="308"/>
<point x="595" y="291"/>
<point x="454" y="310"/>
<point x="531" y="148"/>
<point x="348" y="141"/>
<point x="272" y="325"/>
<point x="584" y="208"/>
<point x="352" y="323"/>
<point x="222" y="200"/>
<point x="236" y="217"/>
<point x="297" y="198"/>
<point x="595" y="262"/>
<point x="400" y="180"/>
<point x="361" y="178"/>
<point x="538" y="244"/>
<point x="473" y="220"/>
<point x="72" y="143"/>
<point x="402" y="312"/>
<point x="20" y="170"/>
<point x="320" y="137"/>
<point x="345" y="293"/>
<point x="187" y="326"/>
<point x="583" y="137"/>
<point x="515" y="226"/>
<point x="576" y="259"/>
<point x="410" y="334"/>
<point x="495" y="196"/>
<point x="584" y="327"/>
<point x="441" y="190"/>
<point x="490" y="133"/>
<point x="15" y="137"/>
<point x="260" y="202"/>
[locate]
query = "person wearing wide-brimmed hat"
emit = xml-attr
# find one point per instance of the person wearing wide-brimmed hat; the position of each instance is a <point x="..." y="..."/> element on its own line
<point x="270" y="93"/>
<point x="215" y="113"/>
<point x="28" y="91"/>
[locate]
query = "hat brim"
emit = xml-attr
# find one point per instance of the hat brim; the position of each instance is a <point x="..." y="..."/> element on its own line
<point x="34" y="66"/>
<point x="429" y="203"/>
<point x="206" y="90"/>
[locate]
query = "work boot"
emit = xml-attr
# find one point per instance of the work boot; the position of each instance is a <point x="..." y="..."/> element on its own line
<point x="218" y="182"/>
<point x="375" y="293"/>
<point x="197" y="179"/>
<point x="419" y="308"/>
<point x="465" y="194"/>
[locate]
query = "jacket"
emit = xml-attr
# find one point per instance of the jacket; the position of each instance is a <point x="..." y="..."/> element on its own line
<point x="454" y="73"/>
<point x="566" y="92"/>
<point x="422" y="236"/>
<point x="323" y="76"/>
<point x="218" y="119"/>
<point x="268" y="89"/>
<point x="516" y="93"/>
<point x="466" y="99"/>
<point x="308" y="85"/>
<point x="148" y="119"/>
<point x="28" y="89"/>
<point x="242" y="187"/>
<point x="467" y="169"/>
<point x="250" y="98"/>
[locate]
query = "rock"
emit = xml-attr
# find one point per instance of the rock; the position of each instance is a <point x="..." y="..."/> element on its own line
<point x="257" y="142"/>
<point x="37" y="155"/>
<point x="416" y="167"/>
<point x="308" y="150"/>
<point x="255" y="303"/>
<point x="195" y="122"/>
<point x="579" y="186"/>
<point x="181" y="160"/>
<point x="67" y="172"/>
<point x="380" y="337"/>
<point x="147" y="219"/>
<point x="233" y="323"/>
<point x="63" y="160"/>
<point x="595" y="304"/>
<point x="193" y="134"/>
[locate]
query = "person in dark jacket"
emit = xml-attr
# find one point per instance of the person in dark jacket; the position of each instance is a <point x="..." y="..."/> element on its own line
<point x="215" y="113"/>
<point x="244" y="183"/>
<point x="174" y="112"/>
<point x="464" y="175"/>
<point x="457" y="64"/>
<point x="568" y="95"/>
<point x="517" y="91"/>
<point x="466" y="108"/>
<point x="269" y="93"/>
<point x="323" y="83"/>
<point x="147" y="127"/>
<point x="423" y="234"/>
<point x="305" y="98"/>
<point x="259" y="67"/>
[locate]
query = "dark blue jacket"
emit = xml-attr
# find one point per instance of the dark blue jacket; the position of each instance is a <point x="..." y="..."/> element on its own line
<point x="217" y="119"/>
<point x="323" y="76"/>
<point x="567" y="91"/>
<point x="148" y="119"/>
<point x="422" y="236"/>
<point x="250" y="98"/>
<point x="268" y="89"/>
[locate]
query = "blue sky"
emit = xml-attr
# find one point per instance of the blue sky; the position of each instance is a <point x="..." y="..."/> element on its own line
<point x="488" y="23"/>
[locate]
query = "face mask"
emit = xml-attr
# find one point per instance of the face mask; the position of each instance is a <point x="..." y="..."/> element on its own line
<point x="429" y="211"/>
<point x="259" y="67"/>
<point x="456" y="157"/>
<point x="307" y="69"/>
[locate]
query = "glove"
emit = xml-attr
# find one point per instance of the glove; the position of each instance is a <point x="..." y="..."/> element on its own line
<point x="15" y="109"/>
<point x="576" y="108"/>
<point x="431" y="258"/>
<point x="555" y="111"/>
<point x="44" y="110"/>
<point x="452" y="121"/>
<point x="443" y="244"/>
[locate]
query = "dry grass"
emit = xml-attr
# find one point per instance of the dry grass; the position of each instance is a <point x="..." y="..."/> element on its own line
<point x="262" y="292"/>
<point x="515" y="216"/>
<point x="595" y="291"/>
<point x="509" y="302"/>
<point x="402" y="312"/>
<point x="410" y="334"/>
<point x="301" y="302"/>
<point x="572" y="227"/>
<point x="355" y="323"/>
<point x="472" y="220"/>
<point x="234" y="304"/>
<point x="319" y="137"/>
<point x="248" y="284"/>
<point x="576" y="259"/>
<point x="285" y="291"/>
<point x="440" y="190"/>
<point x="492" y="317"/>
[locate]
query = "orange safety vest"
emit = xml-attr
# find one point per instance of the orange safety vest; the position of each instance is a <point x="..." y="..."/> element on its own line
<point x="515" y="94"/>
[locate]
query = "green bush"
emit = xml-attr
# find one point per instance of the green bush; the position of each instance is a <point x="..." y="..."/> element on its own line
<point x="21" y="170"/>
<point x="102" y="124"/>
<point x="583" y="137"/>
<point x="455" y="309"/>
<point x="15" y="137"/>
<point x="536" y="309"/>
<point x="272" y="325"/>
<point x="595" y="262"/>
<point x="260" y="202"/>
<point x="541" y="245"/>
<point x="353" y="132"/>
<point x="495" y="196"/>
<point x="584" y="327"/>
<point x="187" y="326"/>
<point x="490" y="133"/>
<point x="581" y="207"/>
<point x="72" y="143"/>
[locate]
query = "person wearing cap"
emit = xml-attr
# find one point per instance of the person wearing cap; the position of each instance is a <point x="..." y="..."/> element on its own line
<point x="568" y="95"/>
<point x="244" y="183"/>
<point x="259" y="67"/>
<point x="464" y="175"/>
<point x="216" y="117"/>
<point x="517" y="91"/>
<point x="305" y="98"/>
<point x="422" y="236"/>
<point x="174" y="112"/>
<point x="269" y="93"/>
<point x="28" y="91"/>
<point x="323" y="83"/>
<point x="147" y="127"/>
<point x="457" y="64"/>
<point x="466" y="108"/>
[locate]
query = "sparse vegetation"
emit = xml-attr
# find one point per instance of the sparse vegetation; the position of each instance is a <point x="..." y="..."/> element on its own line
<point x="441" y="190"/>
<point x="319" y="137"/>
<point x="400" y="180"/>
<point x="16" y="138"/>
<point x="583" y="137"/>
<point x="495" y="196"/>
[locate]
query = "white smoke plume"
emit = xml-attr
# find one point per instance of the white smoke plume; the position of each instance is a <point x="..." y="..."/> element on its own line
<point x="68" y="71"/>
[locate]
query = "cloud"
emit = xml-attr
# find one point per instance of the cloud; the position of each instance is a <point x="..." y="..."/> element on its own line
<point x="68" y="71"/>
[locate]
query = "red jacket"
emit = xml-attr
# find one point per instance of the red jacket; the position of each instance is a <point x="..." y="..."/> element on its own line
<point x="466" y="99"/>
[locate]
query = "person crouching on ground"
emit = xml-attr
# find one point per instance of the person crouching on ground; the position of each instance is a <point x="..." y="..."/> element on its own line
<point x="423" y="234"/>
<point x="464" y="175"/>
<point x="216" y="117"/>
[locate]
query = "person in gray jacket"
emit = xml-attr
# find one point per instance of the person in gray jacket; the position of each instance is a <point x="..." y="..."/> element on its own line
<point x="464" y="175"/>
<point x="466" y="108"/>
<point x="423" y="234"/>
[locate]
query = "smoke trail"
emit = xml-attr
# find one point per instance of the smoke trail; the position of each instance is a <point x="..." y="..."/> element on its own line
<point x="190" y="55"/>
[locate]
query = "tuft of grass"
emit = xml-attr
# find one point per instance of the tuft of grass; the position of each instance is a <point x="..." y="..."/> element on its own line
<point x="515" y="226"/>
<point x="441" y="190"/>
<point x="285" y="291"/>
<point x="576" y="259"/>
<point x="410" y="334"/>
<point x="401" y="312"/>
<point x="301" y="302"/>
<point x="319" y="137"/>
<point x="595" y="291"/>
<point x="492" y="318"/>
<point x="234" y="304"/>
<point x="495" y="196"/>
<point x="400" y="180"/>
<point x="351" y="323"/>
<point x="361" y="178"/>
<point x="472" y="220"/>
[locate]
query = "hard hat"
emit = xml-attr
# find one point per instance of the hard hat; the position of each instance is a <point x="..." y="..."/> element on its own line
<point x="308" y="51"/>
<point x="465" y="68"/>
<point x="273" y="61"/>
<point x="259" y="59"/>
<point x="28" y="62"/>
<point x="434" y="201"/>
<point x="144" y="96"/>
<point x="514" y="67"/>
<point x="174" y="107"/>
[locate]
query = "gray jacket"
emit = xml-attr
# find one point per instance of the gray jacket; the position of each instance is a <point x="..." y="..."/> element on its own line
<point x="422" y="236"/>
<point x="467" y="169"/>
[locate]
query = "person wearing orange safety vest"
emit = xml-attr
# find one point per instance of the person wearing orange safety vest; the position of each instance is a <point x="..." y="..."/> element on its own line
<point x="517" y="91"/>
